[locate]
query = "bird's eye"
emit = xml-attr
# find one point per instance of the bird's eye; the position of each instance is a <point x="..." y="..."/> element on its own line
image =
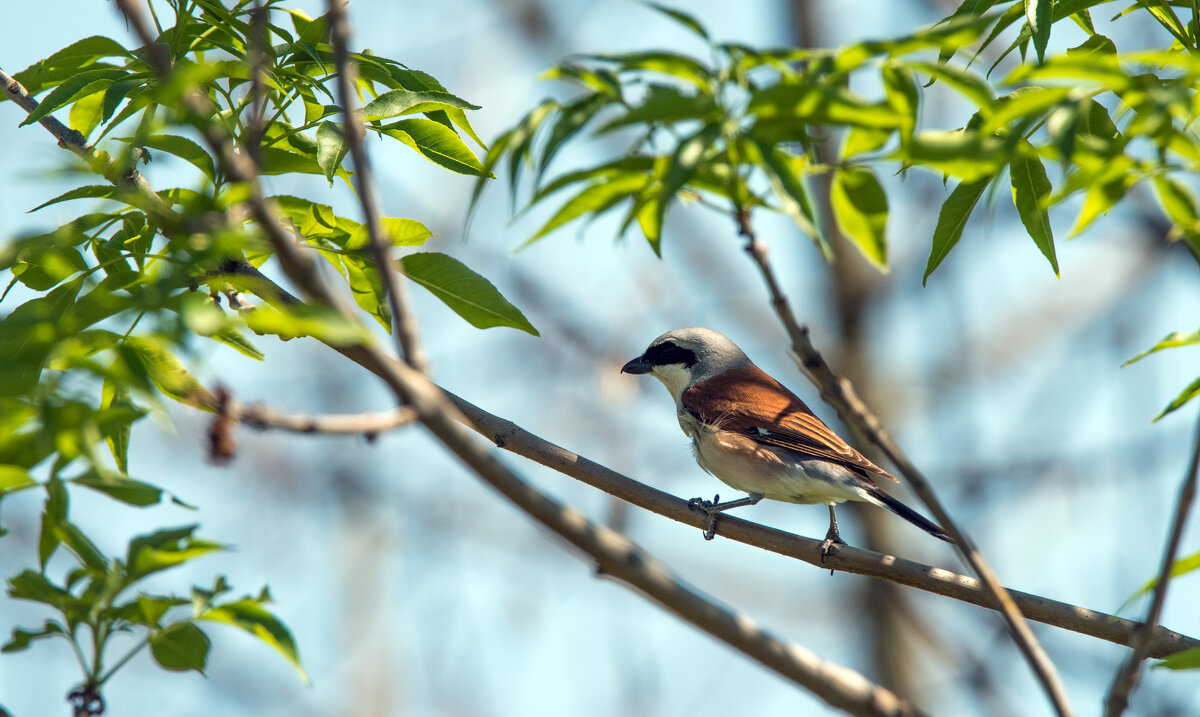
<point x="668" y="353"/>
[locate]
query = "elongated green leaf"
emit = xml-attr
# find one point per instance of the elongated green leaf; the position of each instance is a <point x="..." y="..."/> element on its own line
<point x="1186" y="660"/>
<point x="1180" y="205"/>
<point x="180" y="647"/>
<point x="325" y="325"/>
<point x="90" y="191"/>
<point x="276" y="160"/>
<point x="665" y="104"/>
<point x="1170" y="341"/>
<point x="80" y="85"/>
<point x="397" y="231"/>
<point x="163" y="549"/>
<point x="825" y="104"/>
<point x="952" y="218"/>
<point x="331" y="148"/>
<point x="684" y="163"/>
<point x="249" y="615"/>
<point x="970" y="84"/>
<point x="1192" y="391"/>
<point x="468" y="294"/>
<point x="1039" y="15"/>
<point x="658" y="61"/>
<point x="783" y="171"/>
<point x="126" y="490"/>
<point x="594" y="198"/>
<point x="403" y="102"/>
<point x="165" y="370"/>
<point x="439" y="144"/>
<point x="117" y="394"/>
<point x="680" y="17"/>
<point x="861" y="210"/>
<point x="1031" y="190"/>
<point x="67" y="63"/>
<point x="573" y="118"/>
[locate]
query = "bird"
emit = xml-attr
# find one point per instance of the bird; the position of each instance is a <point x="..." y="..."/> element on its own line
<point x="756" y="436"/>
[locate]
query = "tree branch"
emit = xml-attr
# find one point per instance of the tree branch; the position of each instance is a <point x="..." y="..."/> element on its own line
<point x="838" y="392"/>
<point x="403" y="321"/>
<point x="1127" y="675"/>
<point x="260" y="416"/>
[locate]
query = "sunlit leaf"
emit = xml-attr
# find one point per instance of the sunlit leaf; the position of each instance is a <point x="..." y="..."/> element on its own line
<point x="468" y="294"/>
<point x="402" y="102"/>
<point x="1038" y="13"/>
<point x="1192" y="391"/>
<point x="438" y="144"/>
<point x="331" y="148"/>
<point x="163" y="549"/>
<point x="1170" y="341"/>
<point x="1186" y="660"/>
<point x="860" y="209"/>
<point x="181" y="147"/>
<point x="1031" y="190"/>
<point x="249" y="615"/>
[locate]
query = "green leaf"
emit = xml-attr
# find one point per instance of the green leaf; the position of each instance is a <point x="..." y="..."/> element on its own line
<point x="126" y="490"/>
<point x="367" y="288"/>
<point x="164" y="549"/>
<point x="952" y="219"/>
<point x="468" y="294"/>
<point x="180" y="647"/>
<point x="783" y="171"/>
<point x="249" y="615"/>
<point x="680" y="17"/>
<point x="970" y="84"/>
<point x="276" y="160"/>
<point x="437" y="143"/>
<point x="13" y="479"/>
<point x="1031" y="192"/>
<point x="36" y="587"/>
<point x="324" y="324"/>
<point x="1180" y="205"/>
<point x="21" y="637"/>
<point x="181" y="147"/>
<point x="860" y="140"/>
<point x="1192" y="391"/>
<point x="593" y="198"/>
<point x="1100" y="197"/>
<point x="117" y="394"/>
<point x="90" y="191"/>
<point x="665" y="104"/>
<point x="824" y="104"/>
<point x="398" y="232"/>
<point x="1040" y="16"/>
<point x="331" y="148"/>
<point x="1186" y="660"/>
<point x="67" y="63"/>
<point x="85" y="113"/>
<point x="860" y="208"/>
<point x="77" y="86"/>
<point x="166" y="371"/>
<point x="403" y="102"/>
<point x="1170" y="341"/>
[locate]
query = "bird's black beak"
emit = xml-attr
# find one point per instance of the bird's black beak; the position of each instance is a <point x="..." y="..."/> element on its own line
<point x="638" y="365"/>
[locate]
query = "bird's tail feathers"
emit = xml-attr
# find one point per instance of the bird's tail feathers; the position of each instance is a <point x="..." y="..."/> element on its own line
<point x="882" y="499"/>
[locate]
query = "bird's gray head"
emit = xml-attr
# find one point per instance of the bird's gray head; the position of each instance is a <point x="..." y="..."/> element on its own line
<point x="684" y="357"/>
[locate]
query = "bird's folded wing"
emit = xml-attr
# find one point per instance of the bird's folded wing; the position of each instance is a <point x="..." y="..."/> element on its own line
<point x="750" y="402"/>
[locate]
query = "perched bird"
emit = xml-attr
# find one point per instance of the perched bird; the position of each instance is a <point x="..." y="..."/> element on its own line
<point x="757" y="436"/>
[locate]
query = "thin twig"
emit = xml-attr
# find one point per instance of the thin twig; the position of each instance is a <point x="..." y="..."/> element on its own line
<point x="262" y="417"/>
<point x="404" y="324"/>
<point x="838" y="392"/>
<point x="1126" y="678"/>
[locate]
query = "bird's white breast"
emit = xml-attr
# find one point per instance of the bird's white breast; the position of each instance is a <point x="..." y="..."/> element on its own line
<point x="777" y="473"/>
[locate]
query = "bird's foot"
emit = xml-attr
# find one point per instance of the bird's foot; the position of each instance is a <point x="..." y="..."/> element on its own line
<point x="712" y="509"/>
<point x="827" y="545"/>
